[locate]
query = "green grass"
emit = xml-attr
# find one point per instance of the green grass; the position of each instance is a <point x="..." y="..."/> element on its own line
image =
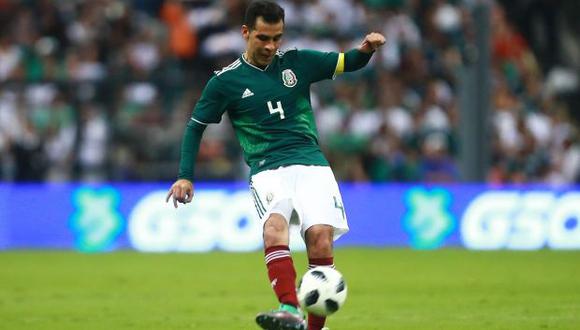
<point x="388" y="289"/>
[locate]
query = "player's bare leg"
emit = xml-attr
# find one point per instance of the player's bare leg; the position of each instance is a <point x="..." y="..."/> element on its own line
<point x="282" y="277"/>
<point x="319" y="240"/>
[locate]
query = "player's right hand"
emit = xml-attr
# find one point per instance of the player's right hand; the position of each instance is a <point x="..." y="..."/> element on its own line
<point x="182" y="192"/>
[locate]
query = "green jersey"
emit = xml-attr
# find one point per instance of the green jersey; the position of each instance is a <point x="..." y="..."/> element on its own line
<point x="270" y="108"/>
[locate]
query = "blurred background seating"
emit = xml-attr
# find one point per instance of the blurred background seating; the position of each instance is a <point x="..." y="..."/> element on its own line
<point x="100" y="90"/>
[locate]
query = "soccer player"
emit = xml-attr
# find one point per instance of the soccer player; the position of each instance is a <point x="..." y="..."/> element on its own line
<point x="266" y="93"/>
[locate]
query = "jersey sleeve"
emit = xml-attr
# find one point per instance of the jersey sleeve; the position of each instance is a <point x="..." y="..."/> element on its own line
<point x="212" y="104"/>
<point x="320" y="65"/>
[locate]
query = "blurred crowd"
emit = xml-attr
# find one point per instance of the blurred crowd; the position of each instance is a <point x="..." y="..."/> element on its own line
<point x="102" y="89"/>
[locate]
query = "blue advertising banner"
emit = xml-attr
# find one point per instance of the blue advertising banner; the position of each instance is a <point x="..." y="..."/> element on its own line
<point x="97" y="218"/>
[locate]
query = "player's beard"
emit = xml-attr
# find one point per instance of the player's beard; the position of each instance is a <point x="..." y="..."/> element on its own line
<point x="261" y="59"/>
<point x="265" y="58"/>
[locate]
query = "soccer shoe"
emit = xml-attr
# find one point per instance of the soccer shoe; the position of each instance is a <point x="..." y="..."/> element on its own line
<point x="287" y="317"/>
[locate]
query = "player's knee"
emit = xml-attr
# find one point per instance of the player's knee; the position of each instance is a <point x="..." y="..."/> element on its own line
<point x="275" y="232"/>
<point x="319" y="241"/>
<point x="271" y="231"/>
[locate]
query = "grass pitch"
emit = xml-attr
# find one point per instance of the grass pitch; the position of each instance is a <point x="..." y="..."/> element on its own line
<point x="388" y="289"/>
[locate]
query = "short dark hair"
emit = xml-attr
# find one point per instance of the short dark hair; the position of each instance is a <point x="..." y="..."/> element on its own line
<point x="270" y="11"/>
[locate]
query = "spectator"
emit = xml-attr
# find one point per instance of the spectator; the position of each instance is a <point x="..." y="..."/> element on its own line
<point x="100" y="90"/>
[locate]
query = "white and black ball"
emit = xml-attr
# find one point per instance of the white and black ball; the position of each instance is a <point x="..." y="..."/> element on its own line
<point x="322" y="291"/>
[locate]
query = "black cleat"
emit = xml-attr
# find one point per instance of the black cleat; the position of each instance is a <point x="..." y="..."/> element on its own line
<point x="285" y="318"/>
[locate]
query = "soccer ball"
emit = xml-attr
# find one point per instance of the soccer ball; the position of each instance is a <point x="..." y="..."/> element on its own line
<point x="322" y="291"/>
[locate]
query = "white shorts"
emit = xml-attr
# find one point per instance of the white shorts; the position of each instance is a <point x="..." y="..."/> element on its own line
<point x="310" y="191"/>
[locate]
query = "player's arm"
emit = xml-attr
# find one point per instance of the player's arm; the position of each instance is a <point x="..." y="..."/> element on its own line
<point x="327" y="65"/>
<point x="208" y="110"/>
<point x="357" y="58"/>
<point x="182" y="189"/>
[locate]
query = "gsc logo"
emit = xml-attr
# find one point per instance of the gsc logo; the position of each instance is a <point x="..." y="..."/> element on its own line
<point x="216" y="219"/>
<point x="522" y="221"/>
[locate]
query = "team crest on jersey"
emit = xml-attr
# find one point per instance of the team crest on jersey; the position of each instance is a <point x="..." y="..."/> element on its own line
<point x="289" y="78"/>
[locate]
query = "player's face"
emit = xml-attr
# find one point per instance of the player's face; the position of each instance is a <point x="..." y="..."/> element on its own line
<point x="263" y="41"/>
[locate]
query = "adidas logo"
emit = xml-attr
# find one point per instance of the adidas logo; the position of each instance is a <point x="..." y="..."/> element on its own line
<point x="247" y="93"/>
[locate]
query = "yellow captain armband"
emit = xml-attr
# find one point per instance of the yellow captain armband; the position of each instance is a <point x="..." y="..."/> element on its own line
<point x="339" y="65"/>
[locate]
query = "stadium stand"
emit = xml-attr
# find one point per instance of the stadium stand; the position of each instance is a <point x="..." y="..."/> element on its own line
<point x="100" y="90"/>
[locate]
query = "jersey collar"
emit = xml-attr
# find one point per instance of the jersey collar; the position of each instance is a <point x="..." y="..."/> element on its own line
<point x="255" y="67"/>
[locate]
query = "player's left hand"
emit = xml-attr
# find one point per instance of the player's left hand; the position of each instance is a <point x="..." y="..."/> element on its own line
<point x="372" y="42"/>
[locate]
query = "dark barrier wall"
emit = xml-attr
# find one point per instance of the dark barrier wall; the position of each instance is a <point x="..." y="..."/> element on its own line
<point x="119" y="216"/>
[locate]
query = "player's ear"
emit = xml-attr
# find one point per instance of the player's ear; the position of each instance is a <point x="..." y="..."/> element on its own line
<point x="245" y="32"/>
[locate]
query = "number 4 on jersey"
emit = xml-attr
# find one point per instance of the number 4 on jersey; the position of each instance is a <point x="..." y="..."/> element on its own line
<point x="277" y="109"/>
